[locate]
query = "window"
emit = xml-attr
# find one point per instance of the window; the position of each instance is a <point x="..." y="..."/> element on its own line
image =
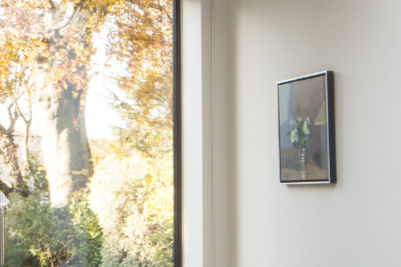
<point x="90" y="133"/>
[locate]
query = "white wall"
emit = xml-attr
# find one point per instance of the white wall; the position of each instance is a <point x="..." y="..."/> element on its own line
<point x="356" y="223"/>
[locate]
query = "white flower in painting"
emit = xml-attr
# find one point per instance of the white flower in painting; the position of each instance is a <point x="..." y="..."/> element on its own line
<point x="294" y="136"/>
<point x="305" y="128"/>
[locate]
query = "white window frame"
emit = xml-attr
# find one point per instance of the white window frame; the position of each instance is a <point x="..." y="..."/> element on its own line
<point x="208" y="173"/>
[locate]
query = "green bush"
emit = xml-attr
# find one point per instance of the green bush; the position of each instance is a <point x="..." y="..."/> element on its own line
<point x="38" y="235"/>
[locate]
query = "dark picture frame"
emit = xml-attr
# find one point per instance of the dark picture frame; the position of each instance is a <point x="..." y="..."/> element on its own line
<point x="306" y="129"/>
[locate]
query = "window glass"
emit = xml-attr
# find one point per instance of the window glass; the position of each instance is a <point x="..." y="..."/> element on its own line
<point x="86" y="132"/>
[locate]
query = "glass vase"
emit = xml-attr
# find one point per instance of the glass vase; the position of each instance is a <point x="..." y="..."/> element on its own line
<point x="301" y="161"/>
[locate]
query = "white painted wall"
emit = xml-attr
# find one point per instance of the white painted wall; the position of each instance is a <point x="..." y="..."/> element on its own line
<point x="236" y="214"/>
<point x="356" y="223"/>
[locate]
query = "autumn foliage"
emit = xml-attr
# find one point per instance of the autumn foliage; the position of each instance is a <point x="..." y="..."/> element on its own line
<point x="47" y="61"/>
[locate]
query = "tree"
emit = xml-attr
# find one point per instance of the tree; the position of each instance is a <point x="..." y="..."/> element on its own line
<point x="48" y="58"/>
<point x="61" y="57"/>
<point x="65" y="30"/>
<point x="44" y="236"/>
<point x="146" y="106"/>
<point x="15" y="83"/>
<point x="135" y="209"/>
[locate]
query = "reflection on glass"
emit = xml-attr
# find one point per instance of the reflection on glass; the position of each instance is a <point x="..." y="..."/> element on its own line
<point x="303" y="130"/>
<point x="86" y="158"/>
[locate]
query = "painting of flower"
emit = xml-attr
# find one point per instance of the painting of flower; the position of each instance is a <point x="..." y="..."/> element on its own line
<point x="306" y="129"/>
<point x="300" y="133"/>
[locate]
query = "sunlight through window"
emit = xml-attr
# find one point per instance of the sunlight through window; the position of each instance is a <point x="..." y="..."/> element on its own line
<point x="86" y="132"/>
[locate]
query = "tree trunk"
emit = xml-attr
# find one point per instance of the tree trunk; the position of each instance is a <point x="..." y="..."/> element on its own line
<point x="9" y="156"/>
<point x="65" y="146"/>
<point x="64" y="140"/>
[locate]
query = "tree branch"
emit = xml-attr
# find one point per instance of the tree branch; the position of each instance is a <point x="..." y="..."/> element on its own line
<point x="28" y="122"/>
<point x="17" y="108"/>
<point x="9" y="157"/>
<point x="68" y="21"/>
<point x="5" y="188"/>
<point x="52" y="4"/>
<point x="161" y="8"/>
<point x="13" y="118"/>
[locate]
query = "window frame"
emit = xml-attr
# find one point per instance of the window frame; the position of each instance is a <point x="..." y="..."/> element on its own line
<point x="177" y="133"/>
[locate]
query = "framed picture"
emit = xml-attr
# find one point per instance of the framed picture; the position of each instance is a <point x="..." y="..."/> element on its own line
<point x="306" y="129"/>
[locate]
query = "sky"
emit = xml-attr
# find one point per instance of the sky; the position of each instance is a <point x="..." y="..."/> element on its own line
<point x="100" y="117"/>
